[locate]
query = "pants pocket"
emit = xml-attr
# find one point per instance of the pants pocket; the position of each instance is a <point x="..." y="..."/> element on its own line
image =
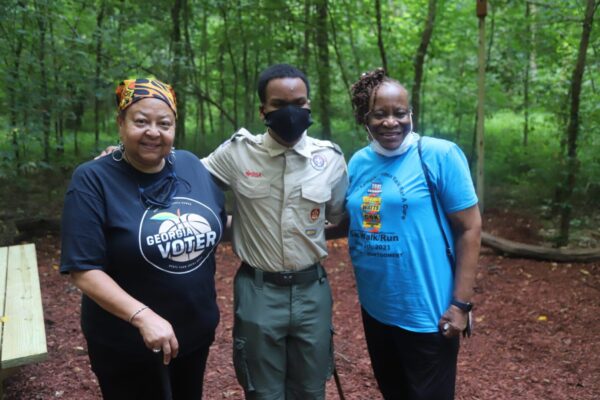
<point x="240" y="364"/>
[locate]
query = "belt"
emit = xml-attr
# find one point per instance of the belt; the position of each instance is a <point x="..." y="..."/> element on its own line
<point x="310" y="274"/>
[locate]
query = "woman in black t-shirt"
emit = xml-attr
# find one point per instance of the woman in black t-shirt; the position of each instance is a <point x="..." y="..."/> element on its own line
<point x="140" y="229"/>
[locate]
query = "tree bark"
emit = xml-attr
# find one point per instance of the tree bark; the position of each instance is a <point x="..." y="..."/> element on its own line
<point x="307" y="32"/>
<point x="338" y="55"/>
<point x="221" y="98"/>
<point x="420" y="62"/>
<point x="205" y="48"/>
<point x="178" y="74"/>
<point x="194" y="72"/>
<point x="12" y="92"/>
<point x="42" y="15"/>
<point x="479" y="178"/>
<point x="380" y="36"/>
<point x="527" y="73"/>
<point x="490" y="46"/>
<point x="522" y="250"/>
<point x="323" y="69"/>
<point x="572" y="162"/>
<point x="58" y="108"/>
<point x="99" y="22"/>
<point x="349" y="19"/>
<point x="232" y="59"/>
<point x="247" y="80"/>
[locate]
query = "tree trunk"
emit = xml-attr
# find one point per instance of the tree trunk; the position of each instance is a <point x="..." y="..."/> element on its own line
<point x="572" y="162"/>
<point x="380" y="36"/>
<point x="78" y="110"/>
<point x="12" y="92"/>
<point x="479" y="176"/>
<point x="178" y="75"/>
<point x="248" y="87"/>
<point x="307" y="32"/>
<point x="323" y="69"/>
<point x="194" y="72"/>
<point x="221" y="98"/>
<point x="490" y="46"/>
<point x="420" y="62"/>
<point x="45" y="101"/>
<point x="526" y="79"/>
<point x="59" y="108"/>
<point x="205" y="48"/>
<point x="99" y="22"/>
<point x="339" y="56"/>
<point x="459" y="108"/>
<point x="349" y="20"/>
<point x="232" y="59"/>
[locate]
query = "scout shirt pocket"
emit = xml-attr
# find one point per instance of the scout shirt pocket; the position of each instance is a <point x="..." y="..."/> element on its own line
<point x="312" y="203"/>
<point x="253" y="189"/>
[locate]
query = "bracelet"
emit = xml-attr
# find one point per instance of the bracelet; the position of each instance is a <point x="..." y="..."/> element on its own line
<point x="136" y="313"/>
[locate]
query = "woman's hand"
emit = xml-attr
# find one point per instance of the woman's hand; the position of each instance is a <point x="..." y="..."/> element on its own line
<point x="157" y="333"/>
<point x="155" y="330"/>
<point x="453" y="322"/>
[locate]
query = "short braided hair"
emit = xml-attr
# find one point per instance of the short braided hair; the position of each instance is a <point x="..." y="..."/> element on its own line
<point x="365" y="88"/>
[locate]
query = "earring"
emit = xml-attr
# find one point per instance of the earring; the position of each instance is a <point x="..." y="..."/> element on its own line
<point x="119" y="153"/>
<point x="171" y="157"/>
<point x="369" y="135"/>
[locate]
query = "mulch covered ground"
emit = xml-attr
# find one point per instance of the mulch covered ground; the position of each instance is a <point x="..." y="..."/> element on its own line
<point x="535" y="333"/>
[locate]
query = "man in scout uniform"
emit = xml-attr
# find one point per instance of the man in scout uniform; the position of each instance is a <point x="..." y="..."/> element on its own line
<point x="286" y="185"/>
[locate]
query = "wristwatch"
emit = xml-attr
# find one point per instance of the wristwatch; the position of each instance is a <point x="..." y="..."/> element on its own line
<point x="466" y="307"/>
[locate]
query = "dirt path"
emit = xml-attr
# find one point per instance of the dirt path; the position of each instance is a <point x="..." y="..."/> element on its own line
<point x="535" y="334"/>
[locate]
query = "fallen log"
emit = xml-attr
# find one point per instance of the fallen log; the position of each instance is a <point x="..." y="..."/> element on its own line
<point x="32" y="227"/>
<point x="522" y="250"/>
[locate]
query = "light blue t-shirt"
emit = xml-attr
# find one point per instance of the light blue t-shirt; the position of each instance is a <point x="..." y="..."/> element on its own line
<point x="402" y="271"/>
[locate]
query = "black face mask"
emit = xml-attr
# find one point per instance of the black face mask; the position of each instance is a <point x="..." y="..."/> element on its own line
<point x="289" y="122"/>
<point x="160" y="194"/>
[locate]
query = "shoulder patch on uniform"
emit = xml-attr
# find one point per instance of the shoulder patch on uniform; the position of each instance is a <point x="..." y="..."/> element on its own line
<point x="328" y="144"/>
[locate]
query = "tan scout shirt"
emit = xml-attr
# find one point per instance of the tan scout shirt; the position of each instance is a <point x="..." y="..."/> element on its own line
<point x="282" y="197"/>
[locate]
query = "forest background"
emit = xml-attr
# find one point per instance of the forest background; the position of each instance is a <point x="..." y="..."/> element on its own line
<point x="60" y="61"/>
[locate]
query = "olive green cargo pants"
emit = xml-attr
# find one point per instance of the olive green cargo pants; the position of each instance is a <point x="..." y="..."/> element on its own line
<point x="282" y="337"/>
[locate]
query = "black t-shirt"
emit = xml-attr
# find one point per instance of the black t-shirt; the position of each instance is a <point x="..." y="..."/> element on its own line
<point x="165" y="258"/>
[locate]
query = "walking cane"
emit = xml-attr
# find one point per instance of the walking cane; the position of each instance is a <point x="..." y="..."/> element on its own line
<point x="165" y="379"/>
<point x="338" y="384"/>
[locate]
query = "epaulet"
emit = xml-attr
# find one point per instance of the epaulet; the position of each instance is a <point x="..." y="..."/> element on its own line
<point x="244" y="134"/>
<point x="328" y="144"/>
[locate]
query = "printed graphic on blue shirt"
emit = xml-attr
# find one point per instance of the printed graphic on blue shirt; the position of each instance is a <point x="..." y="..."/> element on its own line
<point x="180" y="238"/>
<point x="371" y="207"/>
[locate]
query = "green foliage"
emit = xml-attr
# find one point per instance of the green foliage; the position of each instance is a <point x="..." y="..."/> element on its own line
<point x="61" y="60"/>
<point x="524" y="171"/>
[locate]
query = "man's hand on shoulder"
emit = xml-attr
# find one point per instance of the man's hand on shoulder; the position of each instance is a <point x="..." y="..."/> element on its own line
<point x="108" y="150"/>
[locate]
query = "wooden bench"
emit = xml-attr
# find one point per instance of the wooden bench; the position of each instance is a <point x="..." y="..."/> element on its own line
<point x="22" y="331"/>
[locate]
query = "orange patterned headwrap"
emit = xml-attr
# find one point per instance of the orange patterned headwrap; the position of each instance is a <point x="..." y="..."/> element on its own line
<point x="131" y="90"/>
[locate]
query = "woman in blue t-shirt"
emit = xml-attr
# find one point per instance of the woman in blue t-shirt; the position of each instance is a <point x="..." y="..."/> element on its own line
<point x="139" y="234"/>
<point x="414" y="304"/>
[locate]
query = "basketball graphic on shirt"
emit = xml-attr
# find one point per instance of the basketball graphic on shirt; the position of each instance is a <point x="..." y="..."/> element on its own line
<point x="185" y="223"/>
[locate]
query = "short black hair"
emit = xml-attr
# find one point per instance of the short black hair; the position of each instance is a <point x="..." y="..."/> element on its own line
<point x="279" y="71"/>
